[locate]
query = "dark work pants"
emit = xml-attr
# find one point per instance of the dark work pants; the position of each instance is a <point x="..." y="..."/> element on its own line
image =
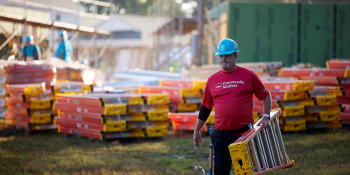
<point x="222" y="162"/>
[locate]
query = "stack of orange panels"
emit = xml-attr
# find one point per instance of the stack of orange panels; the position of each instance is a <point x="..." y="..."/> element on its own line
<point x="30" y="73"/>
<point x="30" y="107"/>
<point x="181" y="99"/>
<point x="291" y="96"/>
<point x="332" y="87"/>
<point x="113" y="116"/>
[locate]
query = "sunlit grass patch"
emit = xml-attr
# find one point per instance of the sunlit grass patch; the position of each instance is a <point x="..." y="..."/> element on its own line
<point x="325" y="152"/>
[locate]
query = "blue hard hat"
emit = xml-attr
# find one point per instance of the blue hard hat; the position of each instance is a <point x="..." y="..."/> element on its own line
<point x="227" y="46"/>
<point x="63" y="32"/>
<point x="28" y="38"/>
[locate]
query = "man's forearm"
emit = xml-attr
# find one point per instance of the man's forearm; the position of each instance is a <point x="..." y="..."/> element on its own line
<point x="267" y="103"/>
<point x="199" y="125"/>
<point x="202" y="117"/>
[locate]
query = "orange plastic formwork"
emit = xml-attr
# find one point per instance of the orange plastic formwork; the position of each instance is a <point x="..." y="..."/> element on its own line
<point x="95" y="134"/>
<point x="345" y="117"/>
<point x="78" y="124"/>
<point x="32" y="127"/>
<point x="73" y="108"/>
<point x="306" y="102"/>
<point x="113" y="109"/>
<point x="289" y="85"/>
<point x="346" y="108"/>
<point x="176" y="83"/>
<point x="71" y="87"/>
<point x="31" y="80"/>
<point x="147" y="132"/>
<point x="327" y="80"/>
<point x="25" y="68"/>
<point x="97" y="118"/>
<point x="185" y="107"/>
<point x="192" y="99"/>
<point x="34" y="74"/>
<point x="190" y="117"/>
<point x="44" y="104"/>
<point x="29" y="98"/>
<point x="334" y="124"/>
<point x="176" y="93"/>
<point x="318" y="109"/>
<point x="338" y="64"/>
<point x="26" y="89"/>
<point x="31" y="112"/>
<point x="257" y="102"/>
<point x="251" y="168"/>
<point x="287" y="95"/>
<point x="103" y="99"/>
<point x="189" y="126"/>
<point x="343" y="100"/>
<point x="109" y="127"/>
<point x="33" y="120"/>
<point x="346" y="93"/>
<point x="313" y="72"/>
<point x="92" y="99"/>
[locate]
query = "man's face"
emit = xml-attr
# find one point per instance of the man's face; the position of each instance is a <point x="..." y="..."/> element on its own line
<point x="228" y="62"/>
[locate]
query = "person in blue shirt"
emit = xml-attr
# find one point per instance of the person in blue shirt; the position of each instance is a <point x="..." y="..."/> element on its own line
<point x="65" y="48"/>
<point x="30" y="51"/>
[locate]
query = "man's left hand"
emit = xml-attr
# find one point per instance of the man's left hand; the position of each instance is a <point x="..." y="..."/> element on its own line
<point x="265" y="121"/>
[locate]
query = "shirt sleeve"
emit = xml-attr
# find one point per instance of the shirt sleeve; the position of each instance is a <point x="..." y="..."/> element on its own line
<point x="207" y="99"/>
<point x="259" y="89"/>
<point x="22" y="50"/>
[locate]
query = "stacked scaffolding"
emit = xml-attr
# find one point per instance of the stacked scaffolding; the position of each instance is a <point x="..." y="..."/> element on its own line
<point x="25" y="73"/>
<point x="28" y="103"/>
<point x="113" y="116"/>
<point x="30" y="107"/>
<point x="185" y="100"/>
<point x="320" y="106"/>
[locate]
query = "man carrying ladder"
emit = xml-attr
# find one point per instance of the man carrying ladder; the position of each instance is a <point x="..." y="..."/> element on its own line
<point x="231" y="92"/>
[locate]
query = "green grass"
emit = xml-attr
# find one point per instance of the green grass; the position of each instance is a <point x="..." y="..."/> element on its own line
<point x="322" y="152"/>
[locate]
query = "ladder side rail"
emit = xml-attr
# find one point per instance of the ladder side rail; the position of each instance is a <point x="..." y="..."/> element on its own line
<point x="268" y="138"/>
<point x="252" y="156"/>
<point x="274" y="146"/>
<point x="280" y="140"/>
<point x="250" y="161"/>
<point x="262" y="151"/>
<point x="273" y="130"/>
<point x="266" y="148"/>
<point x="256" y="155"/>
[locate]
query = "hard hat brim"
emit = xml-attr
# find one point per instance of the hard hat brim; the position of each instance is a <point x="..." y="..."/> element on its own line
<point x="226" y="52"/>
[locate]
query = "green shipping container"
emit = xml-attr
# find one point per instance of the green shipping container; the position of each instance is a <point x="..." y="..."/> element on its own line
<point x="343" y="31"/>
<point x="316" y="33"/>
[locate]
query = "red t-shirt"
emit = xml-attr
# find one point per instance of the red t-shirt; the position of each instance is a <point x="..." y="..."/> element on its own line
<point x="232" y="95"/>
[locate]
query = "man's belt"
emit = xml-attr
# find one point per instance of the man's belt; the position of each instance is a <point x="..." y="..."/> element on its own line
<point x="236" y="131"/>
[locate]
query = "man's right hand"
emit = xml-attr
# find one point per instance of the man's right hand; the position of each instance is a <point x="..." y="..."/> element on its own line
<point x="197" y="138"/>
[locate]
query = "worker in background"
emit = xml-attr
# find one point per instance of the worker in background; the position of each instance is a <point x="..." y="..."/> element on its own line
<point x="65" y="48"/>
<point x="30" y="51"/>
<point x="231" y="92"/>
<point x="13" y="49"/>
